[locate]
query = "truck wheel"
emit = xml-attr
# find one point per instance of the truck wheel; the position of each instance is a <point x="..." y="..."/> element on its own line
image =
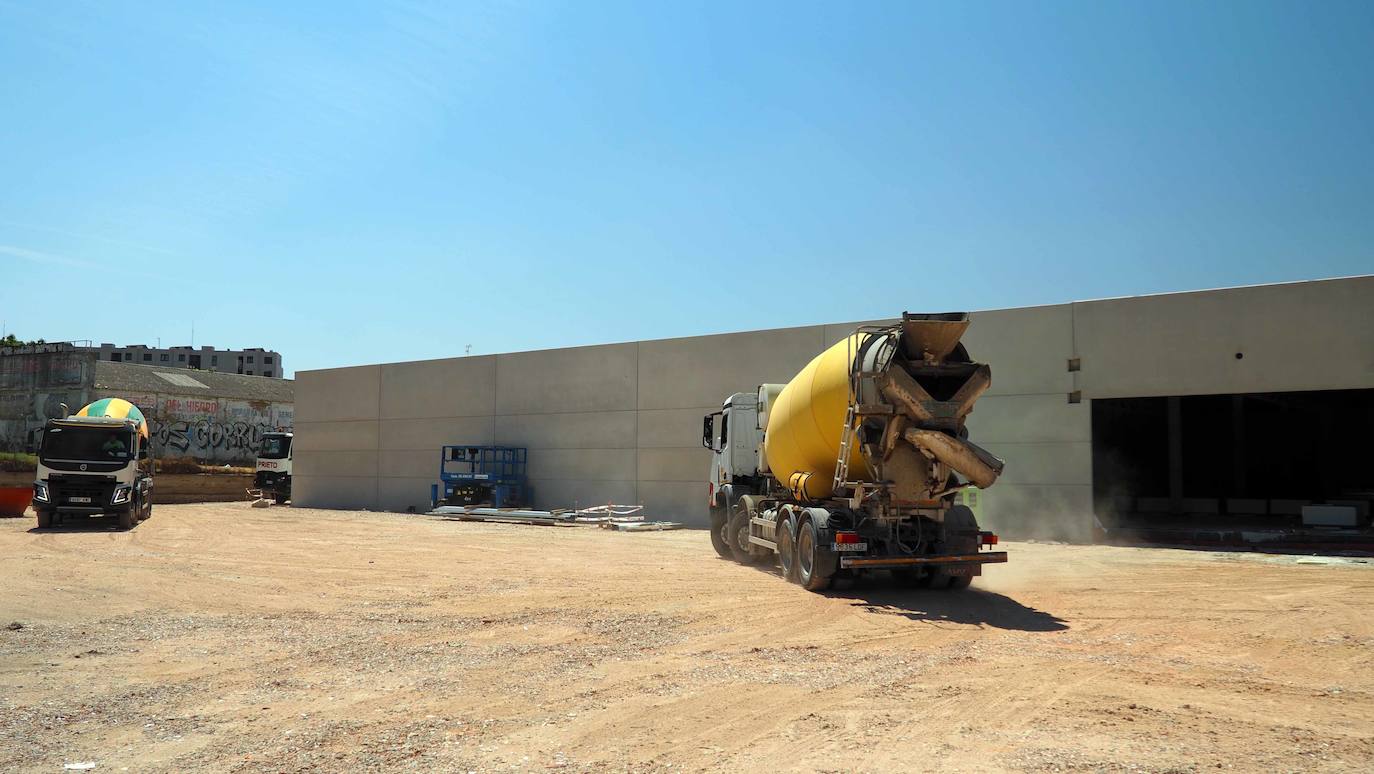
<point x="738" y="534"/>
<point x="719" y="524"/>
<point x="126" y="518"/>
<point x="787" y="549"/>
<point x="279" y="498"/>
<point x="960" y="582"/>
<point x="45" y="519"/>
<point x="809" y="560"/>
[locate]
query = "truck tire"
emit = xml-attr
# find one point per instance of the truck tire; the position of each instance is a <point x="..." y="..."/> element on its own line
<point x="719" y="523"/>
<point x="787" y="548"/>
<point x="127" y="518"/>
<point x="44" y="519"/>
<point x="961" y="537"/>
<point x="810" y="567"/>
<point x="738" y="535"/>
<point x="279" y="497"/>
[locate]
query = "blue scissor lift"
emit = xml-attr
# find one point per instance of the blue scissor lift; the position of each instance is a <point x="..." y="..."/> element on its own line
<point x="482" y="475"/>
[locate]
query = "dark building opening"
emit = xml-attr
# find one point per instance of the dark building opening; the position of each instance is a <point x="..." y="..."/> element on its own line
<point x="1228" y="469"/>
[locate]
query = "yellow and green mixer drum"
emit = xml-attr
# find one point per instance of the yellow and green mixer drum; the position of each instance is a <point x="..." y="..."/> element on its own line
<point x="116" y="408"/>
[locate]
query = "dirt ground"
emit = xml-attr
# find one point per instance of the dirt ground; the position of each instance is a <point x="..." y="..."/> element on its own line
<point x="219" y="637"/>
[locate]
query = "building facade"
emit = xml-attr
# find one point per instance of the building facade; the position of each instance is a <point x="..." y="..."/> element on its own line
<point x="247" y="362"/>
<point x="1200" y="405"/>
<point x="210" y="417"/>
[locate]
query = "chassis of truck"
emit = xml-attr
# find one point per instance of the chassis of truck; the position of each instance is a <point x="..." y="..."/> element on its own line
<point x="853" y="465"/>
<point x="95" y="465"/>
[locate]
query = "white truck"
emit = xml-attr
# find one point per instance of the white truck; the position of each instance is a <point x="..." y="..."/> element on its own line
<point x="272" y="473"/>
<point x="96" y="463"/>
<point x="853" y="465"/>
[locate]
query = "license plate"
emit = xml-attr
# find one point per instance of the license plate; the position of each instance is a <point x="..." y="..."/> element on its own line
<point x="850" y="546"/>
<point x="78" y="499"/>
<point x="957" y="569"/>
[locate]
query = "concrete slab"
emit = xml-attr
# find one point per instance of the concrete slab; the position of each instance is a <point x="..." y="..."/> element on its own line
<point x="1060" y="464"/>
<point x="561" y="380"/>
<point x="676" y="501"/>
<point x="1028" y="349"/>
<point x="456" y="387"/>
<point x="1029" y="418"/>
<point x="589" y="464"/>
<point x="674" y="464"/>
<point x="348" y="492"/>
<point x="355" y="435"/>
<point x="431" y="434"/>
<point x="335" y="464"/>
<point x="672" y="428"/>
<point x="409" y="463"/>
<point x="581" y="430"/>
<point x="704" y="371"/>
<point x="338" y="393"/>
<point x="1023" y="512"/>
<point x="397" y="494"/>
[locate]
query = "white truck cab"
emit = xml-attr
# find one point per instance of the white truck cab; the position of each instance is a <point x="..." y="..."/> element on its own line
<point x="273" y="470"/>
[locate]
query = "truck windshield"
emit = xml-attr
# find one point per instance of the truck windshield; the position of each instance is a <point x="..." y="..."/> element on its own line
<point x="87" y="444"/>
<point x="275" y="447"/>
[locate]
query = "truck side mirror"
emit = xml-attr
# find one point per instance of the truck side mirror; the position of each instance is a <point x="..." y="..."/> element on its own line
<point x="708" y="432"/>
<point x="143" y="451"/>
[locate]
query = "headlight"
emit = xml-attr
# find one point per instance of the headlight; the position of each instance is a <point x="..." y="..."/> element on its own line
<point x="40" y="492"/>
<point x="121" y="495"/>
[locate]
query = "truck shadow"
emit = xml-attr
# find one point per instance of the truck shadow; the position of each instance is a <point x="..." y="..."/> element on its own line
<point x="973" y="606"/>
<point x="89" y="524"/>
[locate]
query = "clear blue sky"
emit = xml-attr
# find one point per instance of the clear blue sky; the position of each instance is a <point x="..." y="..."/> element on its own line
<point x="366" y="182"/>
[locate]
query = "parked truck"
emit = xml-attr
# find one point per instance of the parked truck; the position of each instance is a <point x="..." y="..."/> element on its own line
<point x="97" y="462"/>
<point x="853" y="465"/>
<point x="272" y="474"/>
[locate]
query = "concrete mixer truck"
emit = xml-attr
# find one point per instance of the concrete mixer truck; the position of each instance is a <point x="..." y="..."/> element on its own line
<point x="853" y="466"/>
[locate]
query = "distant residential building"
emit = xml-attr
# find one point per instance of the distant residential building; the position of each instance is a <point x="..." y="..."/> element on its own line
<point x="254" y="361"/>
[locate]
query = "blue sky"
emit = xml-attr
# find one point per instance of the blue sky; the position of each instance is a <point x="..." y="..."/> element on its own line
<point x="368" y="182"/>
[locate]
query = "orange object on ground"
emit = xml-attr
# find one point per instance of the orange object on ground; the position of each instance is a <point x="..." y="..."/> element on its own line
<point x="14" y="499"/>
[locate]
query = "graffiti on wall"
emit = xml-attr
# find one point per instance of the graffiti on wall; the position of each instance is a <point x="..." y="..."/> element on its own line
<point x="210" y="429"/>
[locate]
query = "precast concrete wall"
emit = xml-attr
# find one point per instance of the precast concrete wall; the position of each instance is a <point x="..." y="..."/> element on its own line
<point x="622" y="422"/>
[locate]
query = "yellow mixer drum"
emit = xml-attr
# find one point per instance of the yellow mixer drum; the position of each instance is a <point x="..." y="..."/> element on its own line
<point x="806" y="422"/>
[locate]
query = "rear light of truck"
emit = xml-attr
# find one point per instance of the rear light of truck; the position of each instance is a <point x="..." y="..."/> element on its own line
<point x="710" y="495"/>
<point x="987" y="538"/>
<point x="847" y="537"/>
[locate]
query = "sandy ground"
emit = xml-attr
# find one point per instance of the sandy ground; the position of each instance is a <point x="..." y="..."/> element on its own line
<point x="218" y="637"/>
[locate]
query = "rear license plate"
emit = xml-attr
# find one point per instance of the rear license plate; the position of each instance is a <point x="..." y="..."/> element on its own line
<point x="957" y="569"/>
<point x="849" y="546"/>
<point x="78" y="499"/>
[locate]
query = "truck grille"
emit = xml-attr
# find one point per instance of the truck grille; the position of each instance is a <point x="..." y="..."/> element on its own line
<point x="63" y="489"/>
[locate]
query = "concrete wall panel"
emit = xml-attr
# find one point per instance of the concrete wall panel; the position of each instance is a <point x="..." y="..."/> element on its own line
<point x="333" y="491"/>
<point x="338" y="393"/>
<point x="561" y="380"/>
<point x="1068" y="464"/>
<point x="353" y="435"/>
<point x="430" y="434"/>
<point x="1300" y="336"/>
<point x="682" y="501"/>
<point x="457" y="387"/>
<point x="1025" y="512"/>
<point x="706" y="370"/>
<point x="598" y="464"/>
<point x="1028" y="349"/>
<point x="409" y="463"/>
<point x="581" y="493"/>
<point x="335" y="463"/>
<point x="1034" y="418"/>
<point x="582" y="430"/>
<point x="674" y="464"/>
<point x="659" y="428"/>
<point x="398" y="494"/>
